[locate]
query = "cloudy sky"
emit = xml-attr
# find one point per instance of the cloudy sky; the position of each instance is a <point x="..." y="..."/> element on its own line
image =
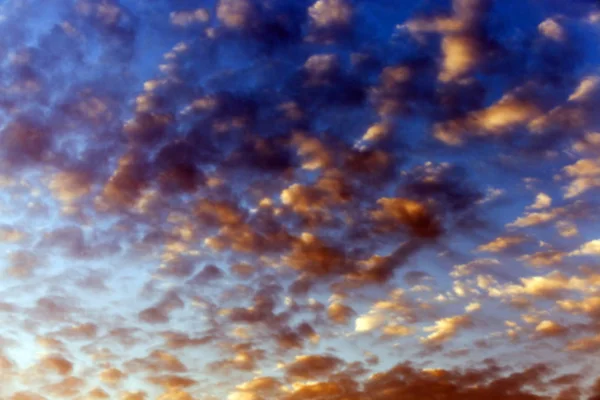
<point x="299" y="199"/>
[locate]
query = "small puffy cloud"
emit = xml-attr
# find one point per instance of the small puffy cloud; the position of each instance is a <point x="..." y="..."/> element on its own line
<point x="69" y="186"/>
<point x="551" y="286"/>
<point x="330" y="13"/>
<point x="576" y="114"/>
<point x="156" y="361"/>
<point x="313" y="152"/>
<point x="189" y="17"/>
<point x="585" y="175"/>
<point x="377" y="132"/>
<point x="245" y="358"/>
<point x="56" y="363"/>
<point x="588" y="86"/>
<point x="475" y="266"/>
<point x="112" y="376"/>
<point x="160" y="312"/>
<point x="309" y="367"/>
<point x="544" y="258"/>
<point x="588" y="306"/>
<point x="588" y="344"/>
<point x="125" y="186"/>
<point x="462" y="289"/>
<point x="22" y="263"/>
<point x="218" y="213"/>
<point x="473" y="306"/>
<point x="257" y="388"/>
<point x="340" y="313"/>
<point x="304" y="199"/>
<point x="536" y="218"/>
<point x="542" y="200"/>
<point x="97" y="394"/>
<point x="412" y="214"/>
<point x="236" y="13"/>
<point x="511" y="111"/>
<point x="549" y="328"/>
<point x="321" y="69"/>
<point x="172" y="382"/>
<point x="589" y="143"/>
<point x="313" y="256"/>
<point x="591" y="248"/>
<point x="397" y="330"/>
<point x="137" y="395"/>
<point x="11" y="234"/>
<point x="502" y="243"/>
<point x="552" y="30"/>
<point x="178" y="340"/>
<point x="80" y="331"/>
<point x="316" y="390"/>
<point x="567" y="229"/>
<point x="461" y="54"/>
<point x="446" y="328"/>
<point x="369" y="322"/>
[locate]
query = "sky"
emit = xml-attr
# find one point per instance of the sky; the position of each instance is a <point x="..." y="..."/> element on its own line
<point x="299" y="199"/>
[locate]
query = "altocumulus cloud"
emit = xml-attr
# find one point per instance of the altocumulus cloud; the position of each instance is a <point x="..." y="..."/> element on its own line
<point x="299" y="199"/>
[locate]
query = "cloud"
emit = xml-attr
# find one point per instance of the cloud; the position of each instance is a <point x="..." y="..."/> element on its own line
<point x="567" y="229"/>
<point x="185" y="18"/>
<point x="57" y="363"/>
<point x="410" y="213"/>
<point x="478" y="265"/>
<point x="472" y="307"/>
<point x="138" y="395"/>
<point x="544" y="258"/>
<point x="513" y="110"/>
<point x="367" y="322"/>
<point x="502" y="243"/>
<point x="542" y="200"/>
<point x="256" y="388"/>
<point x="112" y="376"/>
<point x="340" y="313"/>
<point x="587" y="249"/>
<point x="235" y="13"/>
<point x="22" y="263"/>
<point x="585" y="174"/>
<point x="160" y="312"/>
<point x="446" y="328"/>
<point x="98" y="393"/>
<point x="310" y="367"/>
<point x="536" y="218"/>
<point x="552" y="30"/>
<point x="550" y="328"/>
<point x="11" y="234"/>
<point x="585" y="344"/>
<point x="589" y="305"/>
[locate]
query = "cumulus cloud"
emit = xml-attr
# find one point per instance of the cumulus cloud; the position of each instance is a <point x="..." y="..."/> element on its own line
<point x="585" y="175"/>
<point x="502" y="243"/>
<point x="542" y="200"/>
<point x="446" y="328"/>
<point x="590" y="248"/>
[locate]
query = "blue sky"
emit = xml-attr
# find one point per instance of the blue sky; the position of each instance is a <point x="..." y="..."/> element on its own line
<point x="321" y="199"/>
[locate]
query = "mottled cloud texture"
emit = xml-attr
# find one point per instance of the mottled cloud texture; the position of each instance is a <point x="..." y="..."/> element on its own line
<point x="299" y="199"/>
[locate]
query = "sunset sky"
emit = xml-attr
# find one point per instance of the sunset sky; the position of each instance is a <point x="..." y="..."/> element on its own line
<point x="300" y="199"/>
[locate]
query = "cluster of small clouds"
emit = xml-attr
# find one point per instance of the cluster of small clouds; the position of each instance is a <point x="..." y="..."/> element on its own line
<point x="259" y="200"/>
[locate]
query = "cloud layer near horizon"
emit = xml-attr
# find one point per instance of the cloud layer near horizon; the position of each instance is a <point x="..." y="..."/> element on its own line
<point x="289" y="199"/>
